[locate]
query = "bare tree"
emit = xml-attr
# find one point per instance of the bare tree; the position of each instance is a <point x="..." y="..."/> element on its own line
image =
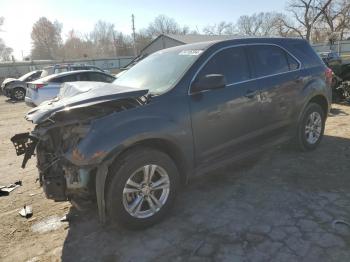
<point x="281" y="29"/>
<point x="261" y="24"/>
<point x="46" y="38"/>
<point x="142" y="39"/>
<point x="250" y="25"/>
<point x="222" y="28"/>
<point x="305" y="14"/>
<point x="75" y="46"/>
<point x="165" y="25"/>
<point x="336" y="17"/>
<point x="5" y="51"/>
<point x="103" y="38"/>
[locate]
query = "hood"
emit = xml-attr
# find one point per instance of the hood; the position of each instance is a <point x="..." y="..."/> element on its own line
<point x="8" y="80"/>
<point x="70" y="89"/>
<point x="81" y="94"/>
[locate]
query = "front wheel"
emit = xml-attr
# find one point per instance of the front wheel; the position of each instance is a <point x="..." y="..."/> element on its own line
<point x="18" y="94"/>
<point x="142" y="188"/>
<point x="311" y="127"/>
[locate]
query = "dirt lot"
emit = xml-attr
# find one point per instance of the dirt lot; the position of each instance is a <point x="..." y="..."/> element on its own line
<point x="279" y="209"/>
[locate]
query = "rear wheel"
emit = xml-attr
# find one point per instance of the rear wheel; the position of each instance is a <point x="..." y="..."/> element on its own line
<point x="18" y="94"/>
<point x="311" y="127"/>
<point x="142" y="188"/>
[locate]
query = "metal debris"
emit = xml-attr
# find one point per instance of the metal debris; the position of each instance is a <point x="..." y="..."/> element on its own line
<point x="26" y="211"/>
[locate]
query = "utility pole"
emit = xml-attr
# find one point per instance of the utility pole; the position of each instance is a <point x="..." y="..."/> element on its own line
<point x="133" y="33"/>
<point x="115" y="44"/>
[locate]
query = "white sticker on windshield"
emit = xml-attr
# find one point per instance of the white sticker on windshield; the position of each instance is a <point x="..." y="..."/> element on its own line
<point x="191" y="52"/>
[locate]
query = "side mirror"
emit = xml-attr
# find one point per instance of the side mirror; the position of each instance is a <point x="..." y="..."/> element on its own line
<point x="208" y="82"/>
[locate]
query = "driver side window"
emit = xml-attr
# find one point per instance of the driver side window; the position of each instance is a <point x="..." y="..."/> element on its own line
<point x="231" y="62"/>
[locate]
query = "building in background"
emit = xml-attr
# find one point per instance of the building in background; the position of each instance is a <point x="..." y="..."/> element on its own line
<point x="166" y="41"/>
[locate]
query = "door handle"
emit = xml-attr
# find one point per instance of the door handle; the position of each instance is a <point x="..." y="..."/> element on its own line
<point x="250" y="93"/>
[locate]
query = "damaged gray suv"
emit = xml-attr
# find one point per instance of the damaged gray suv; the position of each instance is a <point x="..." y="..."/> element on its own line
<point x="178" y="113"/>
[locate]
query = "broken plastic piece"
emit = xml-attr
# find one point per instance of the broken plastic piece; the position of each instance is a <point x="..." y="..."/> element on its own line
<point x="5" y="190"/>
<point x="65" y="218"/>
<point x="26" y="211"/>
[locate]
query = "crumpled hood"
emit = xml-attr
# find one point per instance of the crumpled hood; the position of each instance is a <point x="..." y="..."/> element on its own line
<point x="81" y="94"/>
<point x="7" y="80"/>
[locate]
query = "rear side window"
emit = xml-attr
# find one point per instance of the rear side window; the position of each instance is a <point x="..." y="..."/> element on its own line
<point x="269" y="60"/>
<point x="36" y="75"/>
<point x="231" y="62"/>
<point x="63" y="79"/>
<point x="83" y="76"/>
<point x="293" y="64"/>
<point x="304" y="52"/>
<point x="98" y="77"/>
<point x="32" y="77"/>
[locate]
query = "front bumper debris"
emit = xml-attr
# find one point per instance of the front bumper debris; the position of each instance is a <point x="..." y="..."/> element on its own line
<point x="24" y="143"/>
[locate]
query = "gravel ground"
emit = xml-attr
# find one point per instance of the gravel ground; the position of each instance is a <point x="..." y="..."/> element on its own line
<point x="282" y="207"/>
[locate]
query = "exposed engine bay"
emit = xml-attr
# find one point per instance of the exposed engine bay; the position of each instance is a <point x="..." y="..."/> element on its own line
<point x="58" y="132"/>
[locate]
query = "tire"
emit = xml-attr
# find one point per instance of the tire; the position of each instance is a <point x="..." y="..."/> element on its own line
<point x="310" y="132"/>
<point x="18" y="94"/>
<point x="122" y="205"/>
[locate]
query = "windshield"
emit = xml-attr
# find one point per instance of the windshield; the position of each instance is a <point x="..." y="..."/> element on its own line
<point x="24" y="77"/>
<point x="159" y="71"/>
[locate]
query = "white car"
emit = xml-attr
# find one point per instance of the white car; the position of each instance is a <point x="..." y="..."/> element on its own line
<point x="48" y="87"/>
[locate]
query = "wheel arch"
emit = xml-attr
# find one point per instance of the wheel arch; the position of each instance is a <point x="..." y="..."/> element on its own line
<point x="103" y="175"/>
<point x="322" y="101"/>
<point x="165" y="146"/>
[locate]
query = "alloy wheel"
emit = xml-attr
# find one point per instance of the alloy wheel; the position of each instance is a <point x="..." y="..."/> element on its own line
<point x="19" y="94"/>
<point x="146" y="191"/>
<point x="313" y="128"/>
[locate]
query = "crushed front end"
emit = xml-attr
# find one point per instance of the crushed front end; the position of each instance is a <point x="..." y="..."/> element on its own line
<point x="60" y="179"/>
<point x="61" y="125"/>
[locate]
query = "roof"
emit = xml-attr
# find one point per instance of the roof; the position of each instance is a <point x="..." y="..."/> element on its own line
<point x="189" y="39"/>
<point x="49" y="77"/>
<point x="196" y="38"/>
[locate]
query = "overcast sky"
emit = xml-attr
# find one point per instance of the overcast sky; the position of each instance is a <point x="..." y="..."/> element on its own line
<point x="82" y="15"/>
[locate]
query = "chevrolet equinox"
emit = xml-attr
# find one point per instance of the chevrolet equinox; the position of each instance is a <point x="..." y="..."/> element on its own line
<point x="179" y="112"/>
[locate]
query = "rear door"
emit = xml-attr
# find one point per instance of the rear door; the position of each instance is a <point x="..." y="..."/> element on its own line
<point x="278" y="75"/>
<point x="226" y="120"/>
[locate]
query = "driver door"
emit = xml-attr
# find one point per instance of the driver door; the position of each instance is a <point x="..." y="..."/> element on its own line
<point x="225" y="121"/>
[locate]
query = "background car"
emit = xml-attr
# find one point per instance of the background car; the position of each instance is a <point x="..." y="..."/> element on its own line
<point x="48" y="87"/>
<point x="60" y="68"/>
<point x="333" y="61"/>
<point x="16" y="88"/>
<point x="341" y="74"/>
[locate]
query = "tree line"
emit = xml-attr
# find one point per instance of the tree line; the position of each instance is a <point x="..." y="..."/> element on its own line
<point x="314" y="20"/>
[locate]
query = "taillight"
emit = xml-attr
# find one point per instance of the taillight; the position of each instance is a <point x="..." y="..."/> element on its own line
<point x="37" y="86"/>
<point x="329" y="76"/>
